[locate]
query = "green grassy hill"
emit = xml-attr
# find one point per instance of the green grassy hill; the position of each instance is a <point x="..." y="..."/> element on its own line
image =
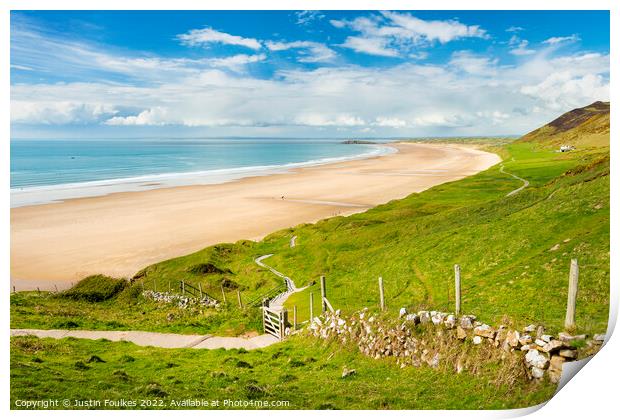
<point x="514" y="251"/>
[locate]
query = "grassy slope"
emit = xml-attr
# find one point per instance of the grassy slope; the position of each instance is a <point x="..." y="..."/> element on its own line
<point x="503" y="245"/>
<point x="303" y="371"/>
<point x="127" y="311"/>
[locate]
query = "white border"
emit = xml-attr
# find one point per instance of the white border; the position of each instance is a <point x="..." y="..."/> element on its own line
<point x="592" y="393"/>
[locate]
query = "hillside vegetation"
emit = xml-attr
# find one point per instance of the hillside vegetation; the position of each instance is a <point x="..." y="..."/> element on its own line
<point x="303" y="372"/>
<point x="514" y="251"/>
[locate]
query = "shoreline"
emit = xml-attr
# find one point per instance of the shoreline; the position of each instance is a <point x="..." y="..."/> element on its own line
<point x="118" y="234"/>
<point x="58" y="193"/>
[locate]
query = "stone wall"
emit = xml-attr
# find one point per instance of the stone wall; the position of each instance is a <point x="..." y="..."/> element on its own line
<point x="181" y="301"/>
<point x="430" y="337"/>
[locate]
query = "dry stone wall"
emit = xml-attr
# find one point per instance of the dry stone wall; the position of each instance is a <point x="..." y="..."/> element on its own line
<point x="181" y="301"/>
<point x="430" y="337"/>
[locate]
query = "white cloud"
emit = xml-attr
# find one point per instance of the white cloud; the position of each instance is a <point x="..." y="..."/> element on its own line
<point x="471" y="93"/>
<point x="522" y="48"/>
<point x="306" y="17"/>
<point x="53" y="54"/>
<point x="153" y="116"/>
<point x="206" y="36"/>
<point x="515" y="29"/>
<point x="495" y="117"/>
<point x="560" y="39"/>
<point x="561" y="90"/>
<point x="24" y="68"/>
<point x="519" y="46"/>
<point x="322" y="120"/>
<point x="390" y="122"/>
<point x="474" y="64"/>
<point x="434" y="30"/>
<point x="370" y="45"/>
<point x="315" y="51"/>
<point x="59" y="112"/>
<point x="394" y="34"/>
<point x="441" y="119"/>
<point x="338" y="23"/>
<point x="236" y="62"/>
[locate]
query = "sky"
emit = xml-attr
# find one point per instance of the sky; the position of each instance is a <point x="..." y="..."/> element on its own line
<point x="121" y="74"/>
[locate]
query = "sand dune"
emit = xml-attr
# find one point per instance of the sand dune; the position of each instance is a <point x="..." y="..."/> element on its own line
<point x="118" y="234"/>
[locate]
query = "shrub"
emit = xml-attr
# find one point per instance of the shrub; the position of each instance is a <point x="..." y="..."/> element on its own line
<point x="206" y="268"/>
<point x="95" y="288"/>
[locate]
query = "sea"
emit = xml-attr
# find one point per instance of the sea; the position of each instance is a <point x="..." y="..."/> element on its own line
<point x="52" y="170"/>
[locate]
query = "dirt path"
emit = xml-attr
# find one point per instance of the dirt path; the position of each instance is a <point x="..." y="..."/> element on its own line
<point x="164" y="340"/>
<point x="526" y="183"/>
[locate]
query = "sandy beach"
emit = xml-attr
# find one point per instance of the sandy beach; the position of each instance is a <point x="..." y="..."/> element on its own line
<point x="53" y="245"/>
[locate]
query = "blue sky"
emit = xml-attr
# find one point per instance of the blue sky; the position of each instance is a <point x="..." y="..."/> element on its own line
<point x="302" y="73"/>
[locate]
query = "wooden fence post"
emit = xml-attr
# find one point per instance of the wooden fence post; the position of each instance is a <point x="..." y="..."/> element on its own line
<point x="13" y="288"/>
<point x="56" y="288"/>
<point x="169" y="289"/>
<point x="223" y="294"/>
<point x="323" y="295"/>
<point x="457" y="289"/>
<point x="38" y="290"/>
<point x="381" y="294"/>
<point x="448" y="297"/>
<point x="154" y="286"/>
<point x="311" y="307"/>
<point x="239" y="298"/>
<point x="200" y="289"/>
<point x="283" y="322"/>
<point x="183" y="287"/>
<point x="294" y="317"/>
<point x="573" y="280"/>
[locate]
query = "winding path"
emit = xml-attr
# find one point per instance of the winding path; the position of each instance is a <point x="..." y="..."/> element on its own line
<point x="164" y="340"/>
<point x="278" y="302"/>
<point x="526" y="183"/>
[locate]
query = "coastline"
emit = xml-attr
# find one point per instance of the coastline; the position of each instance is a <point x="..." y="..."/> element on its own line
<point x="117" y="234"/>
<point x="57" y="193"/>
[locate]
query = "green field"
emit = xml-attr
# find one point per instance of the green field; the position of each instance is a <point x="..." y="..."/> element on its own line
<point x="305" y="372"/>
<point x="514" y="252"/>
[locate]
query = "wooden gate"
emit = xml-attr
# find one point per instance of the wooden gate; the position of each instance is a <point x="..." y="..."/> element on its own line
<point x="275" y="322"/>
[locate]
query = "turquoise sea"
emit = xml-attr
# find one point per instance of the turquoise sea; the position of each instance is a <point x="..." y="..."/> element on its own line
<point x="44" y="171"/>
